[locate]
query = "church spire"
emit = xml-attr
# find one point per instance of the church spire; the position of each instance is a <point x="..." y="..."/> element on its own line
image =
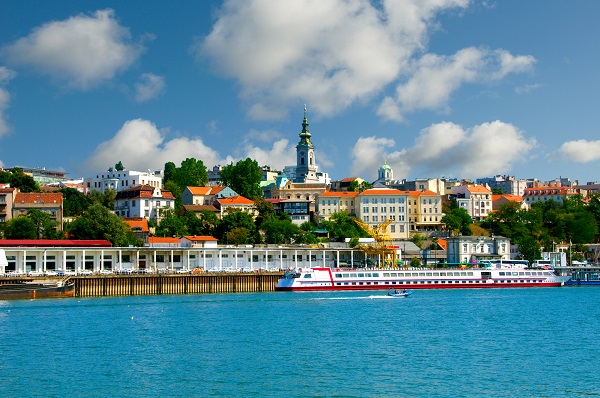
<point x="305" y="134"/>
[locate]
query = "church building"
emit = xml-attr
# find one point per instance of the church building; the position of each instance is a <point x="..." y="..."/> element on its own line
<point x="305" y="170"/>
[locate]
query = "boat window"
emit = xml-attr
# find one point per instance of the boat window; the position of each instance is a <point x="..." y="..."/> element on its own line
<point x="436" y="274"/>
<point x="361" y="275"/>
<point x="527" y="273"/>
<point x="515" y="274"/>
<point x="308" y="275"/>
<point x="360" y="283"/>
<point x="442" y="274"/>
<point x="368" y="275"/>
<point x="521" y="273"/>
<point x="354" y="283"/>
<point x="421" y="273"/>
<point x="338" y="275"/>
<point x="429" y="273"/>
<point x="394" y="274"/>
<point x="376" y="275"/>
<point x="470" y="273"/>
<point x="501" y="273"/>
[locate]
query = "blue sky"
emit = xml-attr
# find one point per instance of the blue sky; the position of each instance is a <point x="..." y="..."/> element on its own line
<point x="435" y="88"/>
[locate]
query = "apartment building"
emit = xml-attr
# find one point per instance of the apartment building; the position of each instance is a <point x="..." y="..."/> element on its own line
<point x="332" y="202"/>
<point x="377" y="205"/>
<point x="475" y="199"/>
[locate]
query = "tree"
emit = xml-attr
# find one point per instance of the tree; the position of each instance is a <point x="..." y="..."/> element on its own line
<point x="21" y="227"/>
<point x="74" y="202"/>
<point x="119" y="166"/>
<point x="44" y="226"/>
<point x="458" y="220"/>
<point x="341" y="226"/>
<point x="100" y="223"/>
<point x="242" y="223"/>
<point x="106" y="198"/>
<point x="192" y="173"/>
<point x="203" y="224"/>
<point x="244" y="178"/>
<point x="17" y="179"/>
<point x="279" y="231"/>
<point x="265" y="211"/>
<point x="530" y="249"/>
<point x="171" y="224"/>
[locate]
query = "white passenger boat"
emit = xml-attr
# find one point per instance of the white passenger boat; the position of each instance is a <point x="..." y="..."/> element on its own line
<point x="314" y="279"/>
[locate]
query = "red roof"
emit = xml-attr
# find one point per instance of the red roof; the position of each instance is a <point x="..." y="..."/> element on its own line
<point x="235" y="200"/>
<point x="160" y="239"/>
<point x="383" y="191"/>
<point x="140" y="223"/>
<point x="53" y="243"/>
<point x="38" y="198"/>
<point x="336" y="194"/>
<point x="201" y="238"/>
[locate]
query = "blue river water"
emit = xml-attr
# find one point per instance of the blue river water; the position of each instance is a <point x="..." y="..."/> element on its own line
<point x="528" y="342"/>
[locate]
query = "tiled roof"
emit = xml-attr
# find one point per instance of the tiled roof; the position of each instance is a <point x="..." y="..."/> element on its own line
<point x="160" y="239"/>
<point x="199" y="190"/>
<point x="383" y="191"/>
<point x="425" y="192"/>
<point x="201" y="238"/>
<point x="336" y="194"/>
<point x="38" y="198"/>
<point x="478" y="189"/>
<point x="349" y="179"/>
<point x="167" y="195"/>
<point x="235" y="200"/>
<point x="140" y="223"/>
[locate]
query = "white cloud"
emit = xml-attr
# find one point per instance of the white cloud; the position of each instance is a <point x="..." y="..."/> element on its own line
<point x="436" y="78"/>
<point x="5" y="76"/>
<point x="526" y="89"/>
<point x="150" y="87"/>
<point x="581" y="151"/>
<point x="333" y="54"/>
<point x="82" y="50"/>
<point x="447" y="149"/>
<point x="141" y="146"/>
<point x="330" y="54"/>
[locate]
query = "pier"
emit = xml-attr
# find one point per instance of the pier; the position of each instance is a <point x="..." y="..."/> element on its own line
<point x="136" y="285"/>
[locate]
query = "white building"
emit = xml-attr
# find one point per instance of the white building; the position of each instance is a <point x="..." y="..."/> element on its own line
<point x="124" y="179"/>
<point x="143" y="201"/>
<point x="475" y="199"/>
<point x="473" y="249"/>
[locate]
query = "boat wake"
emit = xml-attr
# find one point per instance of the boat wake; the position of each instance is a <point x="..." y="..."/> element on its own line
<point x="353" y="298"/>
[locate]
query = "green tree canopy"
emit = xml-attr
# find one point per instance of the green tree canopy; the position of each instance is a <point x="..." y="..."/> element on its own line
<point x="341" y="226"/>
<point x="106" y="198"/>
<point x="17" y="179"/>
<point x="458" y="220"/>
<point x="244" y="178"/>
<point x="45" y="227"/>
<point x="74" y="202"/>
<point x="279" y="230"/>
<point x="204" y="224"/>
<point x="21" y="227"/>
<point x="171" y="224"/>
<point x="100" y="223"/>
<point x="242" y="223"/>
<point x="119" y="166"/>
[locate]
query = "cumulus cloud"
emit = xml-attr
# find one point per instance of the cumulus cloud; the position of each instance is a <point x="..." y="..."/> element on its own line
<point x="140" y="145"/>
<point x="436" y="77"/>
<point x="149" y="87"/>
<point x="447" y="149"/>
<point x="5" y="76"/>
<point x="337" y="53"/>
<point x="330" y="54"/>
<point x="82" y="50"/>
<point x="581" y="151"/>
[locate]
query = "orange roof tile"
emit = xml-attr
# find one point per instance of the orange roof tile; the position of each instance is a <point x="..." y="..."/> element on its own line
<point x="338" y="194"/>
<point x="200" y="190"/>
<point x="38" y="198"/>
<point x="235" y="200"/>
<point x="140" y="223"/>
<point x="160" y="239"/>
<point x="201" y="238"/>
<point x="478" y="189"/>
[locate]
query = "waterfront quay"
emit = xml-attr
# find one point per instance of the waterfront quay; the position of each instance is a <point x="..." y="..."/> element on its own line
<point x="134" y="285"/>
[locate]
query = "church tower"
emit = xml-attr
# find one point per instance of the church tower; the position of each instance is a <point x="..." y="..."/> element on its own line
<point x="306" y="168"/>
<point x="385" y="173"/>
